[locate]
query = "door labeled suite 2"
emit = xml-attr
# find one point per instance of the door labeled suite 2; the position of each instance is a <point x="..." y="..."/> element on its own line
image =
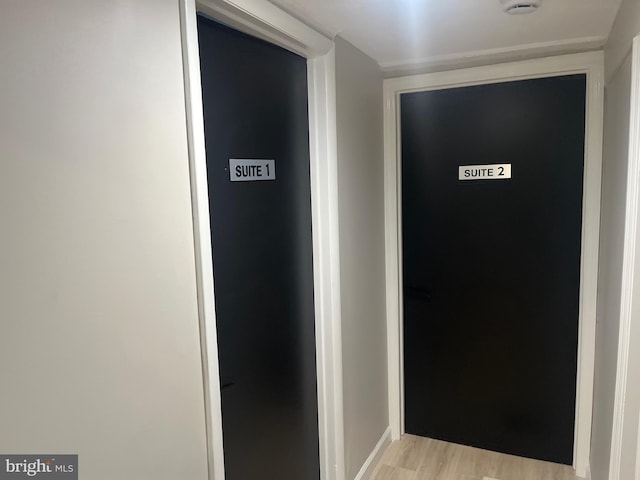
<point x="492" y="186"/>
<point x="257" y="142"/>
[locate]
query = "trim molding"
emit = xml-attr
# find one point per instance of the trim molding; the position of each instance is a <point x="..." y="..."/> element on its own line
<point x="631" y="236"/>
<point x="374" y="457"/>
<point x="264" y="20"/>
<point x="588" y="63"/>
<point x="202" y="238"/>
<point x="495" y="55"/>
<point x="326" y="263"/>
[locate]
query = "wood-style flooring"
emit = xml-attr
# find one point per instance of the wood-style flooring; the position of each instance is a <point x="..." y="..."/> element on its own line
<point x="417" y="458"/>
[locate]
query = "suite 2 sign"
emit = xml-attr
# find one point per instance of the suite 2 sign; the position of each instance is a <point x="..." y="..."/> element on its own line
<point x="498" y="171"/>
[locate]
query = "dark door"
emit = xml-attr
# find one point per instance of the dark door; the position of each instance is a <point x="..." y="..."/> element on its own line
<point x="492" y="266"/>
<point x="255" y="107"/>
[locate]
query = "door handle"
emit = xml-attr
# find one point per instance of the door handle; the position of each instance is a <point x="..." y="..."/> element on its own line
<point x="226" y="383"/>
<point x="418" y="293"/>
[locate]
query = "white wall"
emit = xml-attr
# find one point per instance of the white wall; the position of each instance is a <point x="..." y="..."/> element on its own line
<point x="612" y="455"/>
<point x="614" y="178"/>
<point x="99" y="340"/>
<point x="624" y="451"/>
<point x="625" y="27"/>
<point x="624" y="444"/>
<point x="360" y="193"/>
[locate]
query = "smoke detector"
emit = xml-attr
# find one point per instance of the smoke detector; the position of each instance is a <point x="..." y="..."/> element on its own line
<point x="519" y="7"/>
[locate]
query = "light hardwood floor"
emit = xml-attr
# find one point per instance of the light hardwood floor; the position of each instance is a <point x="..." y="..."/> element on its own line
<point x="417" y="458"/>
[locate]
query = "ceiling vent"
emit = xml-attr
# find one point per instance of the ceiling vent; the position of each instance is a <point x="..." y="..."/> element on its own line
<point x="519" y="7"/>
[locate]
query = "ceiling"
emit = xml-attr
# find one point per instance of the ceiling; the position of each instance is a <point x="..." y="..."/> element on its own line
<point x="409" y="34"/>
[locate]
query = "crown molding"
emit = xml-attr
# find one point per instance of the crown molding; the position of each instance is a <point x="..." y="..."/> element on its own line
<point x="491" y="56"/>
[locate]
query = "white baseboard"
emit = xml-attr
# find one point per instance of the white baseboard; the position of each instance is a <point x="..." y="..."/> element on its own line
<point x="372" y="461"/>
<point x="587" y="475"/>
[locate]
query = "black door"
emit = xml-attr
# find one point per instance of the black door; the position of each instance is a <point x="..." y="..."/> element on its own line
<point x="255" y="107"/>
<point x="492" y="266"/>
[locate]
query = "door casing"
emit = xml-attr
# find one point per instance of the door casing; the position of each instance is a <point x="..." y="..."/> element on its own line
<point x="591" y="64"/>
<point x="264" y="20"/>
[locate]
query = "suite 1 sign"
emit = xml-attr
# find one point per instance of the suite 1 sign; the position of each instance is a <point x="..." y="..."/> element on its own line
<point x="250" y="170"/>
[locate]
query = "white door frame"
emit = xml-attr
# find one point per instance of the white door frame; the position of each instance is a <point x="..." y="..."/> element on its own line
<point x="592" y="65"/>
<point x="264" y="20"/>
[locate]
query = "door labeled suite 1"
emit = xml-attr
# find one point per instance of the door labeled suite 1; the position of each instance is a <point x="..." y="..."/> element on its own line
<point x="492" y="186"/>
<point x="257" y="142"/>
